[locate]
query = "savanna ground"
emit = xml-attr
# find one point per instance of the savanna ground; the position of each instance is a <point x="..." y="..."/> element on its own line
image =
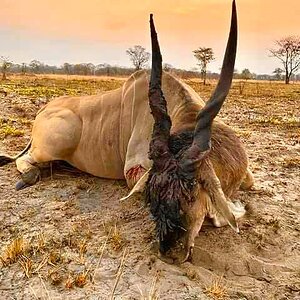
<point x="69" y="236"/>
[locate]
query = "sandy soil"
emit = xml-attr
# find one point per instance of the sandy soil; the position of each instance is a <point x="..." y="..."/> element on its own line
<point x="78" y="241"/>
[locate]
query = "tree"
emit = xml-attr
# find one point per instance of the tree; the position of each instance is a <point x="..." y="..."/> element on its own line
<point x="138" y="56"/>
<point x="5" y="65"/>
<point x="246" y="74"/>
<point x="288" y="52"/>
<point x="36" y="66"/>
<point x="67" y="68"/>
<point x="278" y="72"/>
<point x="167" y="67"/>
<point x="91" y="68"/>
<point x="204" y="56"/>
<point x="24" y="68"/>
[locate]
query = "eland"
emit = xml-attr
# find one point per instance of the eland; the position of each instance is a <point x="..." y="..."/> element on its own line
<point x="188" y="162"/>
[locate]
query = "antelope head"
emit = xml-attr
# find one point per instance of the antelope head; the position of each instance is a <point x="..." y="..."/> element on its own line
<point x="182" y="180"/>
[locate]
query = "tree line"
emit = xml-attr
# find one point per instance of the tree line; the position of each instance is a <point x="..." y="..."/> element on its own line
<point x="286" y="50"/>
<point x="38" y="67"/>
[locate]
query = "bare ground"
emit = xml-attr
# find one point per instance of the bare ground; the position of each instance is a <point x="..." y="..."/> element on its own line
<point x="78" y="241"/>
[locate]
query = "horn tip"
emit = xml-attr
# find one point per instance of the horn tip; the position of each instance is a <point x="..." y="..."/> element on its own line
<point x="234" y="4"/>
<point x="151" y="17"/>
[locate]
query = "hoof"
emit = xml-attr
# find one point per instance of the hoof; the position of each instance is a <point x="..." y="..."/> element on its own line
<point x="187" y="257"/>
<point x="20" y="185"/>
<point x="28" y="178"/>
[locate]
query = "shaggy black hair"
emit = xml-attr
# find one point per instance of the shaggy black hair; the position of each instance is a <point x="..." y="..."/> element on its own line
<point x="181" y="141"/>
<point x="165" y="188"/>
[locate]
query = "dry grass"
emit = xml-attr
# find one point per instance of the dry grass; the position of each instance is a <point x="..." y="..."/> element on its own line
<point x="55" y="275"/>
<point x="153" y="293"/>
<point x="54" y="257"/>
<point x="217" y="290"/>
<point x="8" y="130"/>
<point x="100" y="257"/>
<point x="14" y="251"/>
<point x="26" y="264"/>
<point x="69" y="284"/>
<point x="81" y="279"/>
<point x="116" y="240"/>
<point x="119" y="274"/>
<point x="284" y="121"/>
<point x="74" y="77"/>
<point x="44" y="87"/>
<point x="261" y="106"/>
<point x="291" y="162"/>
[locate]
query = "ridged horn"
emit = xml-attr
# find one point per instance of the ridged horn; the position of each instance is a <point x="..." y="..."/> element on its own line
<point x="162" y="123"/>
<point x="202" y="133"/>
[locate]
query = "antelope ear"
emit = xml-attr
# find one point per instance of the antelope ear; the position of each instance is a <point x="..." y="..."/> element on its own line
<point x="224" y="210"/>
<point x="139" y="186"/>
<point x="212" y="185"/>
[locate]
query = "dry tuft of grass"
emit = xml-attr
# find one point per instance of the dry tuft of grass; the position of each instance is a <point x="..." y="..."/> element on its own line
<point x="26" y="264"/>
<point x="8" y="130"/>
<point x="116" y="239"/>
<point x="119" y="274"/>
<point x="82" y="248"/>
<point x="192" y="275"/>
<point x="274" y="223"/>
<point x="217" y="290"/>
<point x="153" y="293"/>
<point x="291" y="162"/>
<point x="54" y="257"/>
<point x="81" y="279"/>
<point x="14" y="251"/>
<point x="283" y="121"/>
<point x="69" y="284"/>
<point x="55" y="276"/>
<point x="41" y="242"/>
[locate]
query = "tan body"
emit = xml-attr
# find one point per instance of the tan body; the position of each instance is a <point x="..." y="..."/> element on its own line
<point x="107" y="135"/>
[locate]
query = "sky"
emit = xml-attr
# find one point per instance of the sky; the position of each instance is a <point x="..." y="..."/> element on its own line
<point x="100" y="31"/>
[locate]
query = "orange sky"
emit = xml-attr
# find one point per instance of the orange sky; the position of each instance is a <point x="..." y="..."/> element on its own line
<point x="101" y="30"/>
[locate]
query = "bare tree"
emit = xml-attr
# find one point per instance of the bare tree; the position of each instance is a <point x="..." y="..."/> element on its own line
<point x="24" y="68"/>
<point x="288" y="52"/>
<point x="167" y="67"/>
<point x="204" y="56"/>
<point x="5" y="65"/>
<point x="138" y="56"/>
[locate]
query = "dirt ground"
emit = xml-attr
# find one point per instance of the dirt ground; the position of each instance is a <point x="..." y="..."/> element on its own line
<point x="69" y="236"/>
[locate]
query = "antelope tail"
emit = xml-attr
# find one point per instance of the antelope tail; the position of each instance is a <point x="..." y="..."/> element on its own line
<point x="6" y="159"/>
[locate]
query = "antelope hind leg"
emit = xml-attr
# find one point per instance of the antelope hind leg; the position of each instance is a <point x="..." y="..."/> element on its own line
<point x="30" y="174"/>
<point x="237" y="209"/>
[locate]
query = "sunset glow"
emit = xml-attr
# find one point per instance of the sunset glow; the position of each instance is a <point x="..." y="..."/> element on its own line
<point x="100" y="31"/>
